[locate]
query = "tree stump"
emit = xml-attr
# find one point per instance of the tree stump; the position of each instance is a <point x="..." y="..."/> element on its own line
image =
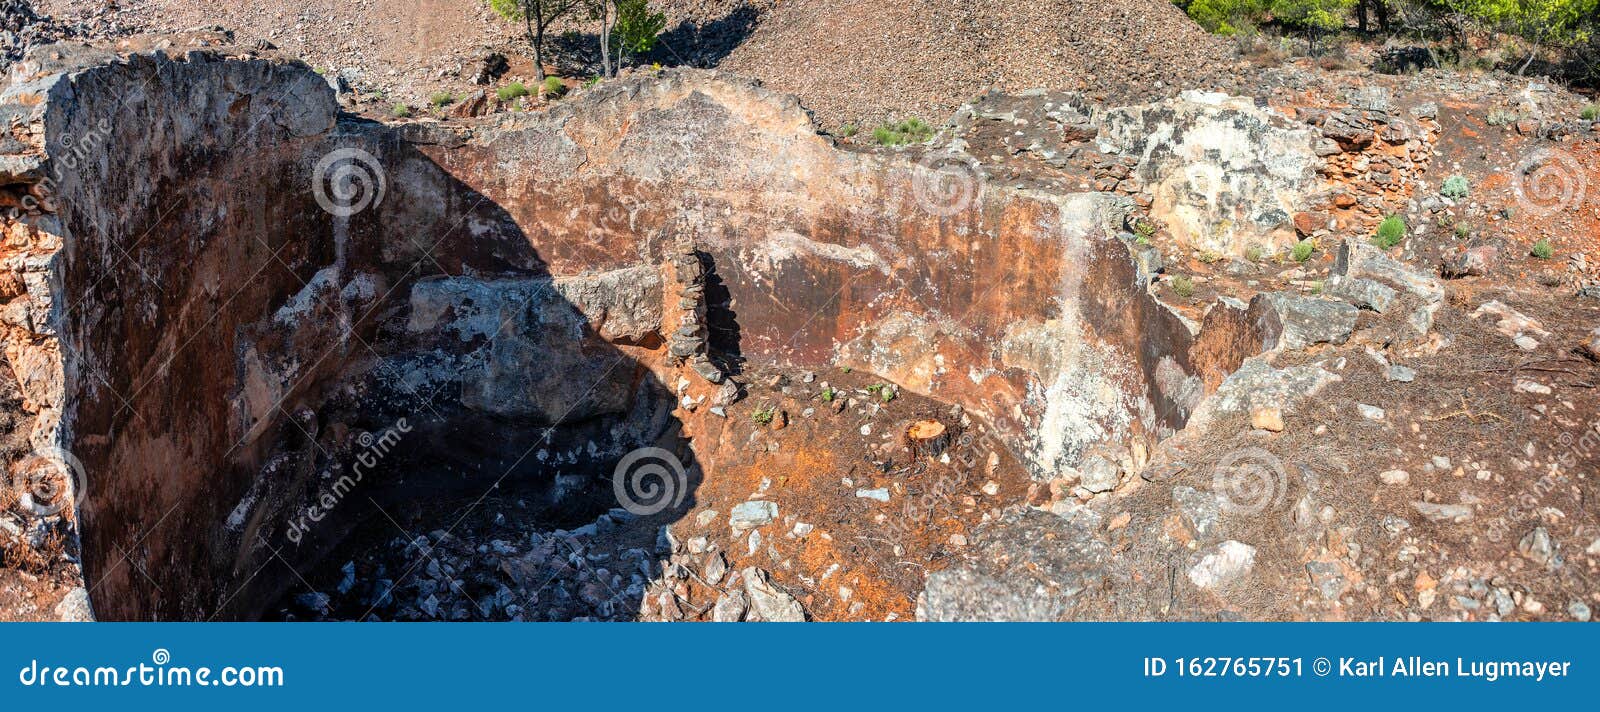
<point x="927" y="438"/>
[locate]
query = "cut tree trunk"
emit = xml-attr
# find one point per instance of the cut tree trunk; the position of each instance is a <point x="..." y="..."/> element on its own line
<point x="927" y="438"/>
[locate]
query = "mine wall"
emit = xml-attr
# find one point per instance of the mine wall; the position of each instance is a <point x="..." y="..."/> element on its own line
<point x="217" y="337"/>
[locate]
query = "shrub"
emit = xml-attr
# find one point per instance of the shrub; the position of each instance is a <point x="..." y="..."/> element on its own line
<point x="400" y="111"/>
<point x="848" y="130"/>
<point x="1390" y="232"/>
<point x="1463" y="232"/>
<point x="1543" y="249"/>
<point x="441" y="99"/>
<point x="1302" y="251"/>
<point x="1454" y="188"/>
<point x="1590" y="112"/>
<point x="1144" y="230"/>
<point x="511" y="91"/>
<point x="552" y="87"/>
<point x="828" y="394"/>
<point x="1183" y="286"/>
<point x="1254" y="253"/>
<point x="591" y="82"/>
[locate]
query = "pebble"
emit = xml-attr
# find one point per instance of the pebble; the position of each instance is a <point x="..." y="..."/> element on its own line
<point x="1370" y="412"/>
<point x="1579" y="611"/>
<point x="752" y="514"/>
<point x="1231" y="561"/>
<point x="1401" y="374"/>
<point x="1269" y="419"/>
<point x="881" y="494"/>
<point x="1395" y="477"/>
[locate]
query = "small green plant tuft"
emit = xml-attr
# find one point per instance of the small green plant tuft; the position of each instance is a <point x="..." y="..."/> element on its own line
<point x="1501" y="117"/>
<point x="552" y="87"/>
<point x="400" y="111"/>
<point x="1543" y="249"/>
<point x="441" y="99"/>
<point x="1183" y="286"/>
<point x="1254" y="253"/>
<point x="511" y="91"/>
<point x="764" y="416"/>
<point x="1302" y="250"/>
<point x="1590" y="112"/>
<point x="912" y="130"/>
<point x="1463" y="232"/>
<point x="1454" y="187"/>
<point x="1208" y="257"/>
<point x="828" y="394"/>
<point x="591" y="82"/>
<point x="848" y="130"/>
<point x="1143" y="231"/>
<point x="1390" y="232"/>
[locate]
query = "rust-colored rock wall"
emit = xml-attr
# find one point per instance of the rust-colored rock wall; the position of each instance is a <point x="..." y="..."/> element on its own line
<point x="218" y="343"/>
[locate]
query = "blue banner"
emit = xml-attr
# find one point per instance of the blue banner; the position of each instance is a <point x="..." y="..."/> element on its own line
<point x="774" y="667"/>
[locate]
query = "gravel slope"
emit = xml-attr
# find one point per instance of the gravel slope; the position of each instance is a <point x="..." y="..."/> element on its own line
<point x="865" y="61"/>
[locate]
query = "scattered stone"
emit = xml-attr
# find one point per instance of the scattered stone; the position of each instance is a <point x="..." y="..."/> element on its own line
<point x="1400" y="374"/>
<point x="768" y="601"/>
<point x="1098" y="474"/>
<point x="1292" y="321"/>
<point x="1267" y="418"/>
<point x="1370" y="412"/>
<point x="1327" y="577"/>
<point x="1579" y="611"/>
<point x="1451" y="513"/>
<point x="716" y="567"/>
<point x="730" y="607"/>
<point x="1537" y="547"/>
<point x="1524" y="385"/>
<point x="1364" y="293"/>
<point x="1231" y="561"/>
<point x="752" y="514"/>
<point x="74" y="608"/>
<point x="881" y="494"/>
<point x="1395" y="477"/>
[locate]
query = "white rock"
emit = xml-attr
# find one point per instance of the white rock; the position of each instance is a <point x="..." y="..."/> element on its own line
<point x="1370" y="412"/>
<point x="1394" y="477"/>
<point x="1231" y="561"/>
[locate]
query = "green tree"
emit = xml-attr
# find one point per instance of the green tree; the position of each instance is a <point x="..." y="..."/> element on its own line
<point x="536" y="17"/>
<point x="627" y="27"/>
<point x="1225" y="17"/>
<point x="1543" y="23"/>
<point x="1314" y="17"/>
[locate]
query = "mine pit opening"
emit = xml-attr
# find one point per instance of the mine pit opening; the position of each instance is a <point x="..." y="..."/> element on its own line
<point x="497" y="317"/>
